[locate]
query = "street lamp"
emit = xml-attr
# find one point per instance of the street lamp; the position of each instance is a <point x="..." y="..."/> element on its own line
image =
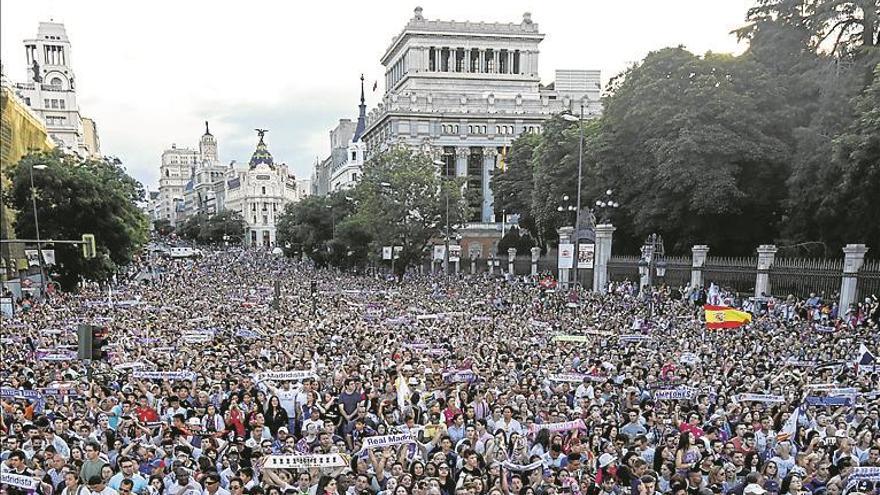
<point x="577" y="215"/>
<point x="605" y="205"/>
<point x="37" y="228"/>
<point x="566" y="206"/>
<point x="653" y="261"/>
<point x="439" y="164"/>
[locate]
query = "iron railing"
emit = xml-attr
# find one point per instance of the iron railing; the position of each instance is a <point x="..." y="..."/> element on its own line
<point x="869" y="279"/>
<point x="731" y="272"/>
<point x="803" y="276"/>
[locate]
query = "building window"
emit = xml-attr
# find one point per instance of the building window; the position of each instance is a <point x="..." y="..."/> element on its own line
<point x="264" y="190"/>
<point x="432" y="59"/>
<point x="56" y="83"/>
<point x="46" y="102"/>
<point x="61" y="104"/>
<point x="265" y="219"/>
<point x="448" y="159"/>
<point x="353" y="155"/>
<point x="516" y="62"/>
<point x="354" y="177"/>
<point x="502" y="62"/>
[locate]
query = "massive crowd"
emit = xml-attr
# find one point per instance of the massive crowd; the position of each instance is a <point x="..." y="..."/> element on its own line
<point x="358" y="385"/>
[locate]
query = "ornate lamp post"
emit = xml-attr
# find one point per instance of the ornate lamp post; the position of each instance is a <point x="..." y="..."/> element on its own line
<point x="605" y="205"/>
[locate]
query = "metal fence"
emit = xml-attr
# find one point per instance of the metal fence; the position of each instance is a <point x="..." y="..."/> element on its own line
<point x="678" y="271"/>
<point x="623" y="268"/>
<point x="730" y="272"/>
<point x="869" y="279"/>
<point x="796" y="276"/>
<point x="802" y="276"/>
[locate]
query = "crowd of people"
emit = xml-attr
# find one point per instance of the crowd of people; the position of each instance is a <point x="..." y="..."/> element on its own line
<point x="472" y="385"/>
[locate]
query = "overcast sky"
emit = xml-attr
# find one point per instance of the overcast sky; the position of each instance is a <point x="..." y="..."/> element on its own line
<point x="150" y="73"/>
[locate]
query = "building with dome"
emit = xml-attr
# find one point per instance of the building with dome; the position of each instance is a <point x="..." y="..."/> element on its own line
<point x="194" y="182"/>
<point x="260" y="190"/>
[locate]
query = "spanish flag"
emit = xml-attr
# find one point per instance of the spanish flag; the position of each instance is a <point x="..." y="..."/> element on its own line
<point x="724" y="317"/>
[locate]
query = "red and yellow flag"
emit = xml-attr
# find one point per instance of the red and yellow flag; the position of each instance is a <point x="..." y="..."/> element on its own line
<point x="725" y="317"/>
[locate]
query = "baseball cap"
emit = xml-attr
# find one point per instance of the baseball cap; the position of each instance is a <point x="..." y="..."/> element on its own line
<point x="606" y="459"/>
<point x="754" y="488"/>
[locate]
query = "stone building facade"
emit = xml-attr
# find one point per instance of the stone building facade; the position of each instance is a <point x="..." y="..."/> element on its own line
<point x="51" y="91"/>
<point x="463" y="91"/>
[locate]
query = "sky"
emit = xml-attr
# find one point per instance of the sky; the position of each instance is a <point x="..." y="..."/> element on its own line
<point x="151" y="73"/>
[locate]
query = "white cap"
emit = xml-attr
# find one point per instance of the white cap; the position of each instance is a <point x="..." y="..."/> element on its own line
<point x="754" y="488"/>
<point x="606" y="459"/>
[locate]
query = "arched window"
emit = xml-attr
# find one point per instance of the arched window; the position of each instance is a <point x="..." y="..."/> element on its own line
<point x="56" y="82"/>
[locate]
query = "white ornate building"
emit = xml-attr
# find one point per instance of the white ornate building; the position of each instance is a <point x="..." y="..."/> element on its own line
<point x="51" y="91"/>
<point x="195" y="182"/>
<point x="259" y="191"/>
<point x="464" y="91"/>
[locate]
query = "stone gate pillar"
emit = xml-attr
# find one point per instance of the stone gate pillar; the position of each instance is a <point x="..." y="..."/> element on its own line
<point x="766" y="255"/>
<point x="604" y="235"/>
<point x="565" y="234"/>
<point x="511" y="257"/>
<point x="698" y="259"/>
<point x="854" y="257"/>
<point x="536" y="253"/>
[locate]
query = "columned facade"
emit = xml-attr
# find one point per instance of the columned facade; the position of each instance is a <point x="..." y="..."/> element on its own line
<point x="467" y="90"/>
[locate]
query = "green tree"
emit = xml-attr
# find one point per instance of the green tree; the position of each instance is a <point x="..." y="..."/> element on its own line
<point x="848" y="212"/>
<point x="228" y="225"/>
<point x="693" y="153"/>
<point x="311" y="225"/>
<point x="512" y="188"/>
<point x="849" y="25"/>
<point x="192" y="227"/>
<point x="515" y="238"/>
<point x="75" y="197"/>
<point x="555" y="165"/>
<point x="401" y="201"/>
<point x="163" y="226"/>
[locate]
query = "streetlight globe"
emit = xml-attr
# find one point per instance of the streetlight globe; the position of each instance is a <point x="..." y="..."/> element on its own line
<point x="608" y="192"/>
<point x="559" y="209"/>
<point x="565" y="197"/>
<point x="615" y="204"/>
<point x="572" y="208"/>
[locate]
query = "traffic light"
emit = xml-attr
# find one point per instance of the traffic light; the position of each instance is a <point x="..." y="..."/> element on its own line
<point x="84" y="341"/>
<point x="92" y="340"/>
<point x="99" y="340"/>
<point x="88" y="246"/>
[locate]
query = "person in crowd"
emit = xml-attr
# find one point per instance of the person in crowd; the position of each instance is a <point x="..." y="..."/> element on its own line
<point x="431" y="386"/>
